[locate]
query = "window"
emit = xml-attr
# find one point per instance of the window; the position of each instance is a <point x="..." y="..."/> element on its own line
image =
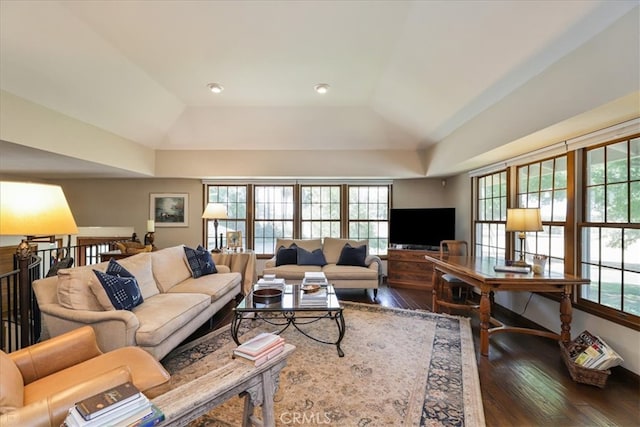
<point x="319" y="211"/>
<point x="369" y="216"/>
<point x="274" y="209"/>
<point x="234" y="197"/>
<point x="544" y="185"/>
<point x="264" y="213"/>
<point x="491" y="215"/>
<point x="610" y="233"/>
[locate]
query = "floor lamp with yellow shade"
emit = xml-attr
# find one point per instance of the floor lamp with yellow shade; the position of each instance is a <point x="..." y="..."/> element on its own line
<point x="32" y="210"/>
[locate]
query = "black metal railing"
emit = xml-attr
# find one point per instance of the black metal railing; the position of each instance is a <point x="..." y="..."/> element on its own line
<point x="19" y="312"/>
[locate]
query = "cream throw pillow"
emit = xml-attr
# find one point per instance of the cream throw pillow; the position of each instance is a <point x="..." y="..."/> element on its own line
<point x="74" y="290"/>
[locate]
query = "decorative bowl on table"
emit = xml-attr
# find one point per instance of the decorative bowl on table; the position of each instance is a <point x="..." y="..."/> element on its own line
<point x="267" y="295"/>
<point x="309" y="289"/>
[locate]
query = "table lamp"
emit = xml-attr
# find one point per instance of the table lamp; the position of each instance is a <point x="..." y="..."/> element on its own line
<point x="521" y="220"/>
<point x="149" y="238"/>
<point x="215" y="211"/>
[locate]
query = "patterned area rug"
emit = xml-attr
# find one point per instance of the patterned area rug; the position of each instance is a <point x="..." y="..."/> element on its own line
<point x="401" y="367"/>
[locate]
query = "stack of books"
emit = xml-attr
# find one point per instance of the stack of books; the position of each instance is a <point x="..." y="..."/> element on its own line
<point x="313" y="296"/>
<point x="260" y="349"/>
<point x="123" y="405"/>
<point x="590" y="351"/>
<point x="270" y="281"/>
<point x="512" y="269"/>
<point x="314" y="278"/>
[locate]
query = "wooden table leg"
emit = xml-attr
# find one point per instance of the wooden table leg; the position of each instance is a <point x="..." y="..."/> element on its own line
<point x="268" y="409"/>
<point x="434" y="290"/>
<point x="565" y="315"/>
<point x="485" y="317"/>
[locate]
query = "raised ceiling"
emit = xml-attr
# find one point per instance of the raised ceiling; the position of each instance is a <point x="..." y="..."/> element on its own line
<point x="403" y="74"/>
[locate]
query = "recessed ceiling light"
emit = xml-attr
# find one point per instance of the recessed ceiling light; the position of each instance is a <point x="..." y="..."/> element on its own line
<point x="215" y="87"/>
<point x="321" y="88"/>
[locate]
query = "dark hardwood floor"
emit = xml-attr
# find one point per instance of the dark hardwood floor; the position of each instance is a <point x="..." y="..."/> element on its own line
<point x="524" y="380"/>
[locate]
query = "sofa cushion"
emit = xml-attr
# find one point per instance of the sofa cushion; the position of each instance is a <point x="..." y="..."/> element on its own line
<point x="162" y="315"/>
<point x="291" y="272"/>
<point x="169" y="267"/>
<point x="349" y="272"/>
<point x="74" y="290"/>
<point x="332" y="248"/>
<point x="200" y="262"/>
<point x="353" y="256"/>
<point x="315" y="257"/>
<point x="140" y="267"/>
<point x="11" y="385"/>
<point x="287" y="256"/>
<point x="215" y="285"/>
<point x="122" y="292"/>
<point x="308" y="244"/>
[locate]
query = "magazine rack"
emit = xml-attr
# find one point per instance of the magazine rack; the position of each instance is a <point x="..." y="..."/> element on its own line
<point x="581" y="374"/>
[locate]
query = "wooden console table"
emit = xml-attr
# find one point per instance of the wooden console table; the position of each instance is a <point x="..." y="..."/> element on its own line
<point x="479" y="272"/>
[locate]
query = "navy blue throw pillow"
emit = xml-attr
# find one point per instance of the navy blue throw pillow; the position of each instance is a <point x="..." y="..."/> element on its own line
<point x="353" y="256"/>
<point x="123" y="291"/>
<point x="200" y="262"/>
<point x="311" y="258"/>
<point x="287" y="256"/>
<point x="115" y="269"/>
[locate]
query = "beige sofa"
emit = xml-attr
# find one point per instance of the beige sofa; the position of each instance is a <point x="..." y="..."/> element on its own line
<point x="365" y="277"/>
<point x="174" y="303"/>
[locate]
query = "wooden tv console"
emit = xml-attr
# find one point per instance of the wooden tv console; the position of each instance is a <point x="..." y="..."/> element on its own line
<point x="407" y="268"/>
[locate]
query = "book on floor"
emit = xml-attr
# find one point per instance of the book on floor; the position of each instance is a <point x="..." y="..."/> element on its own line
<point x="107" y="400"/>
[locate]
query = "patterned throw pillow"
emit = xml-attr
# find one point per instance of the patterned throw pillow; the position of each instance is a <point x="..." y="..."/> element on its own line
<point x="311" y="258"/>
<point x="353" y="256"/>
<point x="200" y="261"/>
<point x="287" y="256"/>
<point x="115" y="269"/>
<point x="123" y="291"/>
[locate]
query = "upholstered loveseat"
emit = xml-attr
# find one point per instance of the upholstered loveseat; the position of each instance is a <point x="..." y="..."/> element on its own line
<point x="346" y="263"/>
<point x="174" y="303"/>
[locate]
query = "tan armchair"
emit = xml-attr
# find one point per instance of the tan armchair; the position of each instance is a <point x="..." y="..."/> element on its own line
<point x="38" y="384"/>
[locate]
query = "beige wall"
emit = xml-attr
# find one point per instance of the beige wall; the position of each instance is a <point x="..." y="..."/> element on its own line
<point x="451" y="192"/>
<point x="125" y="202"/>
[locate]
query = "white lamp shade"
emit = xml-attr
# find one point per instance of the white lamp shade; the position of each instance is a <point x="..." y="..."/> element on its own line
<point x="215" y="211"/>
<point x="524" y="219"/>
<point x="29" y="209"/>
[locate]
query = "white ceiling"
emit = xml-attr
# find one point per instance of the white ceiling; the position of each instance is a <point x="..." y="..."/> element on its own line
<point x="403" y="74"/>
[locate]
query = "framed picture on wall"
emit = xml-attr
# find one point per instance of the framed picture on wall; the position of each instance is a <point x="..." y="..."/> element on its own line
<point x="169" y="209"/>
<point x="234" y="239"/>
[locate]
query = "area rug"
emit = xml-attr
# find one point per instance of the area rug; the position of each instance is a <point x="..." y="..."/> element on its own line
<point x="401" y="368"/>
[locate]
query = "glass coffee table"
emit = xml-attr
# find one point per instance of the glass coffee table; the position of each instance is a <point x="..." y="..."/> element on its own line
<point x="295" y="305"/>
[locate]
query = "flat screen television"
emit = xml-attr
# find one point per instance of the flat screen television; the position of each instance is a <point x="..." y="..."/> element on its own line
<point x="421" y="228"/>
